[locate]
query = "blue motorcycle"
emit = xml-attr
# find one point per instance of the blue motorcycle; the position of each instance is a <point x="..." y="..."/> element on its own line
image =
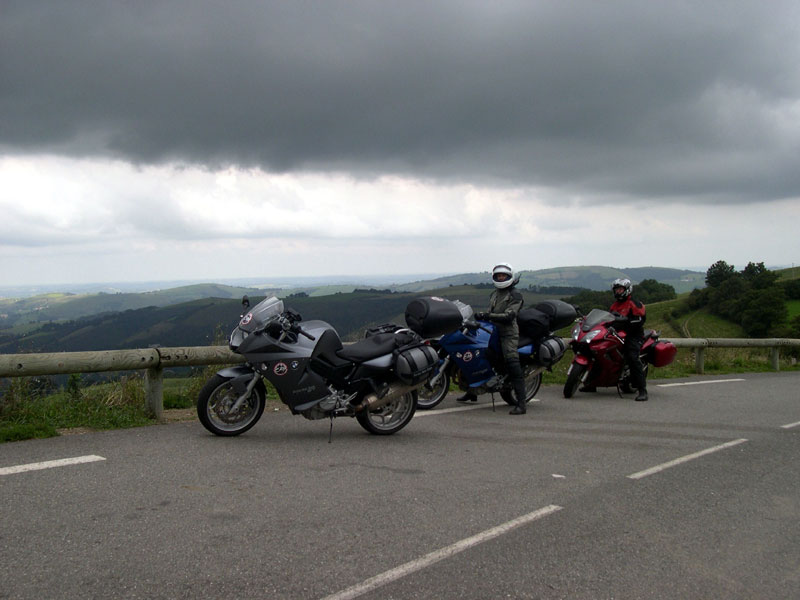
<point x="469" y="349"/>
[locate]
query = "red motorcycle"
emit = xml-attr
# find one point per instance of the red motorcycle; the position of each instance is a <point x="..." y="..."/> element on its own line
<point x="599" y="361"/>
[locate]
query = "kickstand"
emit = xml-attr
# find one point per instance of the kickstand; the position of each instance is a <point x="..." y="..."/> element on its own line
<point x="330" y="431"/>
<point x="493" y="409"/>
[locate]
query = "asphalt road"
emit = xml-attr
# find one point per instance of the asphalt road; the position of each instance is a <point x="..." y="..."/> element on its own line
<point x="694" y="494"/>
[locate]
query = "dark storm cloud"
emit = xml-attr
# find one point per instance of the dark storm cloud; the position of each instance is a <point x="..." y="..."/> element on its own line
<point x="640" y="99"/>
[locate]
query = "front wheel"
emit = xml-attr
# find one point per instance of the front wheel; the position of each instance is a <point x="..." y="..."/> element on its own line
<point x="390" y="418"/>
<point x="576" y="371"/>
<point x="533" y="381"/>
<point x="429" y="396"/>
<point x="215" y="403"/>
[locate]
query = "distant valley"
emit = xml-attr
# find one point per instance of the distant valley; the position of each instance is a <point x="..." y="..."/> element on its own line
<point x="194" y="315"/>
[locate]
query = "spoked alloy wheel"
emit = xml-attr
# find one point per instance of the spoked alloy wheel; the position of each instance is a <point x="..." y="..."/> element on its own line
<point x="532" y="384"/>
<point x="216" y="400"/>
<point x="429" y="395"/>
<point x="391" y="418"/>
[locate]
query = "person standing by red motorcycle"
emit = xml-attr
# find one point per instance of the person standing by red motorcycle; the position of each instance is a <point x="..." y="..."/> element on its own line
<point x="631" y="320"/>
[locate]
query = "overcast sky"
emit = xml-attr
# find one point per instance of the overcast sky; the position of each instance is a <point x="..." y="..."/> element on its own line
<point x="158" y="140"/>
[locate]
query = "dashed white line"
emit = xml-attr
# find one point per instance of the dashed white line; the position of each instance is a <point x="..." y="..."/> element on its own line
<point x="49" y="464"/>
<point x="790" y="425"/>
<point x="683" y="459"/>
<point x="699" y="382"/>
<point x="434" y="557"/>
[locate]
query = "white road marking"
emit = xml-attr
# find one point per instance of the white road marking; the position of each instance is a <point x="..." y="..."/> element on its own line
<point x="790" y="425"/>
<point x="684" y="459"/>
<point x="698" y="382"/>
<point x="434" y="557"/>
<point x="62" y="462"/>
<point x="470" y="406"/>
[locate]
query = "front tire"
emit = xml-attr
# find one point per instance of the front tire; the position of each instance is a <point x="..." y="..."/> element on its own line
<point x="215" y="401"/>
<point x="576" y="371"/>
<point x="429" y="396"/>
<point x="390" y="418"/>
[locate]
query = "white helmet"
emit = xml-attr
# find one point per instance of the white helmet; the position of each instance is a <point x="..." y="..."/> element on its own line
<point x="503" y="276"/>
<point x="625" y="284"/>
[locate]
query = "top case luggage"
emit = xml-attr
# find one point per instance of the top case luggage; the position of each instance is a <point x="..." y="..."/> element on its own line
<point x="559" y="312"/>
<point x="434" y="317"/>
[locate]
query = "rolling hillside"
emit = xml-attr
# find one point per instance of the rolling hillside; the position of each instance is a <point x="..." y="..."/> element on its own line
<point x="590" y="277"/>
<point x="61" y="307"/>
<point x="16" y="315"/>
<point x="210" y="320"/>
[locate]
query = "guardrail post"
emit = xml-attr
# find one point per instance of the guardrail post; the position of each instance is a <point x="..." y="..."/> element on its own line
<point x="774" y="356"/>
<point x="699" y="362"/>
<point x="154" y="391"/>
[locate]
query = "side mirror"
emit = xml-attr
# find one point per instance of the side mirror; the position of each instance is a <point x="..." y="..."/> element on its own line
<point x="245" y="302"/>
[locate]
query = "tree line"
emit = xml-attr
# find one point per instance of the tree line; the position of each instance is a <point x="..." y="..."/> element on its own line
<point x="754" y="298"/>
<point x="646" y="291"/>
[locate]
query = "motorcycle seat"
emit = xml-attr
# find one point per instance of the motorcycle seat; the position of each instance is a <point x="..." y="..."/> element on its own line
<point x="369" y="348"/>
<point x="524" y="340"/>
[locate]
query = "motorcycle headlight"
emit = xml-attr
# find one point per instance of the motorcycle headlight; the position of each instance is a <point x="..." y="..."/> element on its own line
<point x="590" y="336"/>
<point x="236" y="339"/>
<point x="576" y="331"/>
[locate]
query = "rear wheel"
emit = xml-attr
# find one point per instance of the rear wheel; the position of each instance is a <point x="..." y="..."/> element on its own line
<point x="429" y="396"/>
<point x="390" y="418"/>
<point x="215" y="403"/>
<point x="576" y="371"/>
<point x="533" y="381"/>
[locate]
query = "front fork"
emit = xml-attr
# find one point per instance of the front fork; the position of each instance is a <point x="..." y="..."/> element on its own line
<point x="433" y="381"/>
<point x="581" y="359"/>
<point x="248" y="390"/>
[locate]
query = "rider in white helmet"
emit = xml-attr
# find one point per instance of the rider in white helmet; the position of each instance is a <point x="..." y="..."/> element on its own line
<point x="504" y="306"/>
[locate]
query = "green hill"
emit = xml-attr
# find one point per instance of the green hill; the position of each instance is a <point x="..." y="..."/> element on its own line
<point x="589" y="277"/>
<point x="201" y="322"/>
<point x="62" y="307"/>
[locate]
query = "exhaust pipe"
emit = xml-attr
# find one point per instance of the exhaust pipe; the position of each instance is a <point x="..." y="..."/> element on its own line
<point x="373" y="401"/>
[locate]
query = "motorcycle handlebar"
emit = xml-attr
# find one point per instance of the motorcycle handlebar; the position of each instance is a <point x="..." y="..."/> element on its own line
<point x="299" y="330"/>
<point x="473" y="324"/>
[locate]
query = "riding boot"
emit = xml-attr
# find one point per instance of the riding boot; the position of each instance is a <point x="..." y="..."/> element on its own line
<point x="642" y="395"/>
<point x="467" y="397"/>
<point x="518" y="381"/>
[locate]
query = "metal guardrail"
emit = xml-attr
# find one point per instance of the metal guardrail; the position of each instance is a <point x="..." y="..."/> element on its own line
<point x="151" y="360"/>
<point x="154" y="360"/>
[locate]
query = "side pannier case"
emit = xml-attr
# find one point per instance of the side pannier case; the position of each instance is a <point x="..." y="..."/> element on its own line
<point x="663" y="353"/>
<point x="434" y="317"/>
<point x="415" y="365"/>
<point x="551" y="350"/>
<point x="560" y="313"/>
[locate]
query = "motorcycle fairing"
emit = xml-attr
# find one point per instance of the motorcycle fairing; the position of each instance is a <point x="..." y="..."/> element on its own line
<point x="470" y="349"/>
<point x="240" y="376"/>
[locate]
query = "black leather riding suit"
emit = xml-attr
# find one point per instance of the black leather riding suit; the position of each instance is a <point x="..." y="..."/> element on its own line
<point x="504" y="306"/>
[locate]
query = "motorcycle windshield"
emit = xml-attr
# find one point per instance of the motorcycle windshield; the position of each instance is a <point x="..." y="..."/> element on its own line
<point x="596" y="317"/>
<point x="465" y="310"/>
<point x="262" y="312"/>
